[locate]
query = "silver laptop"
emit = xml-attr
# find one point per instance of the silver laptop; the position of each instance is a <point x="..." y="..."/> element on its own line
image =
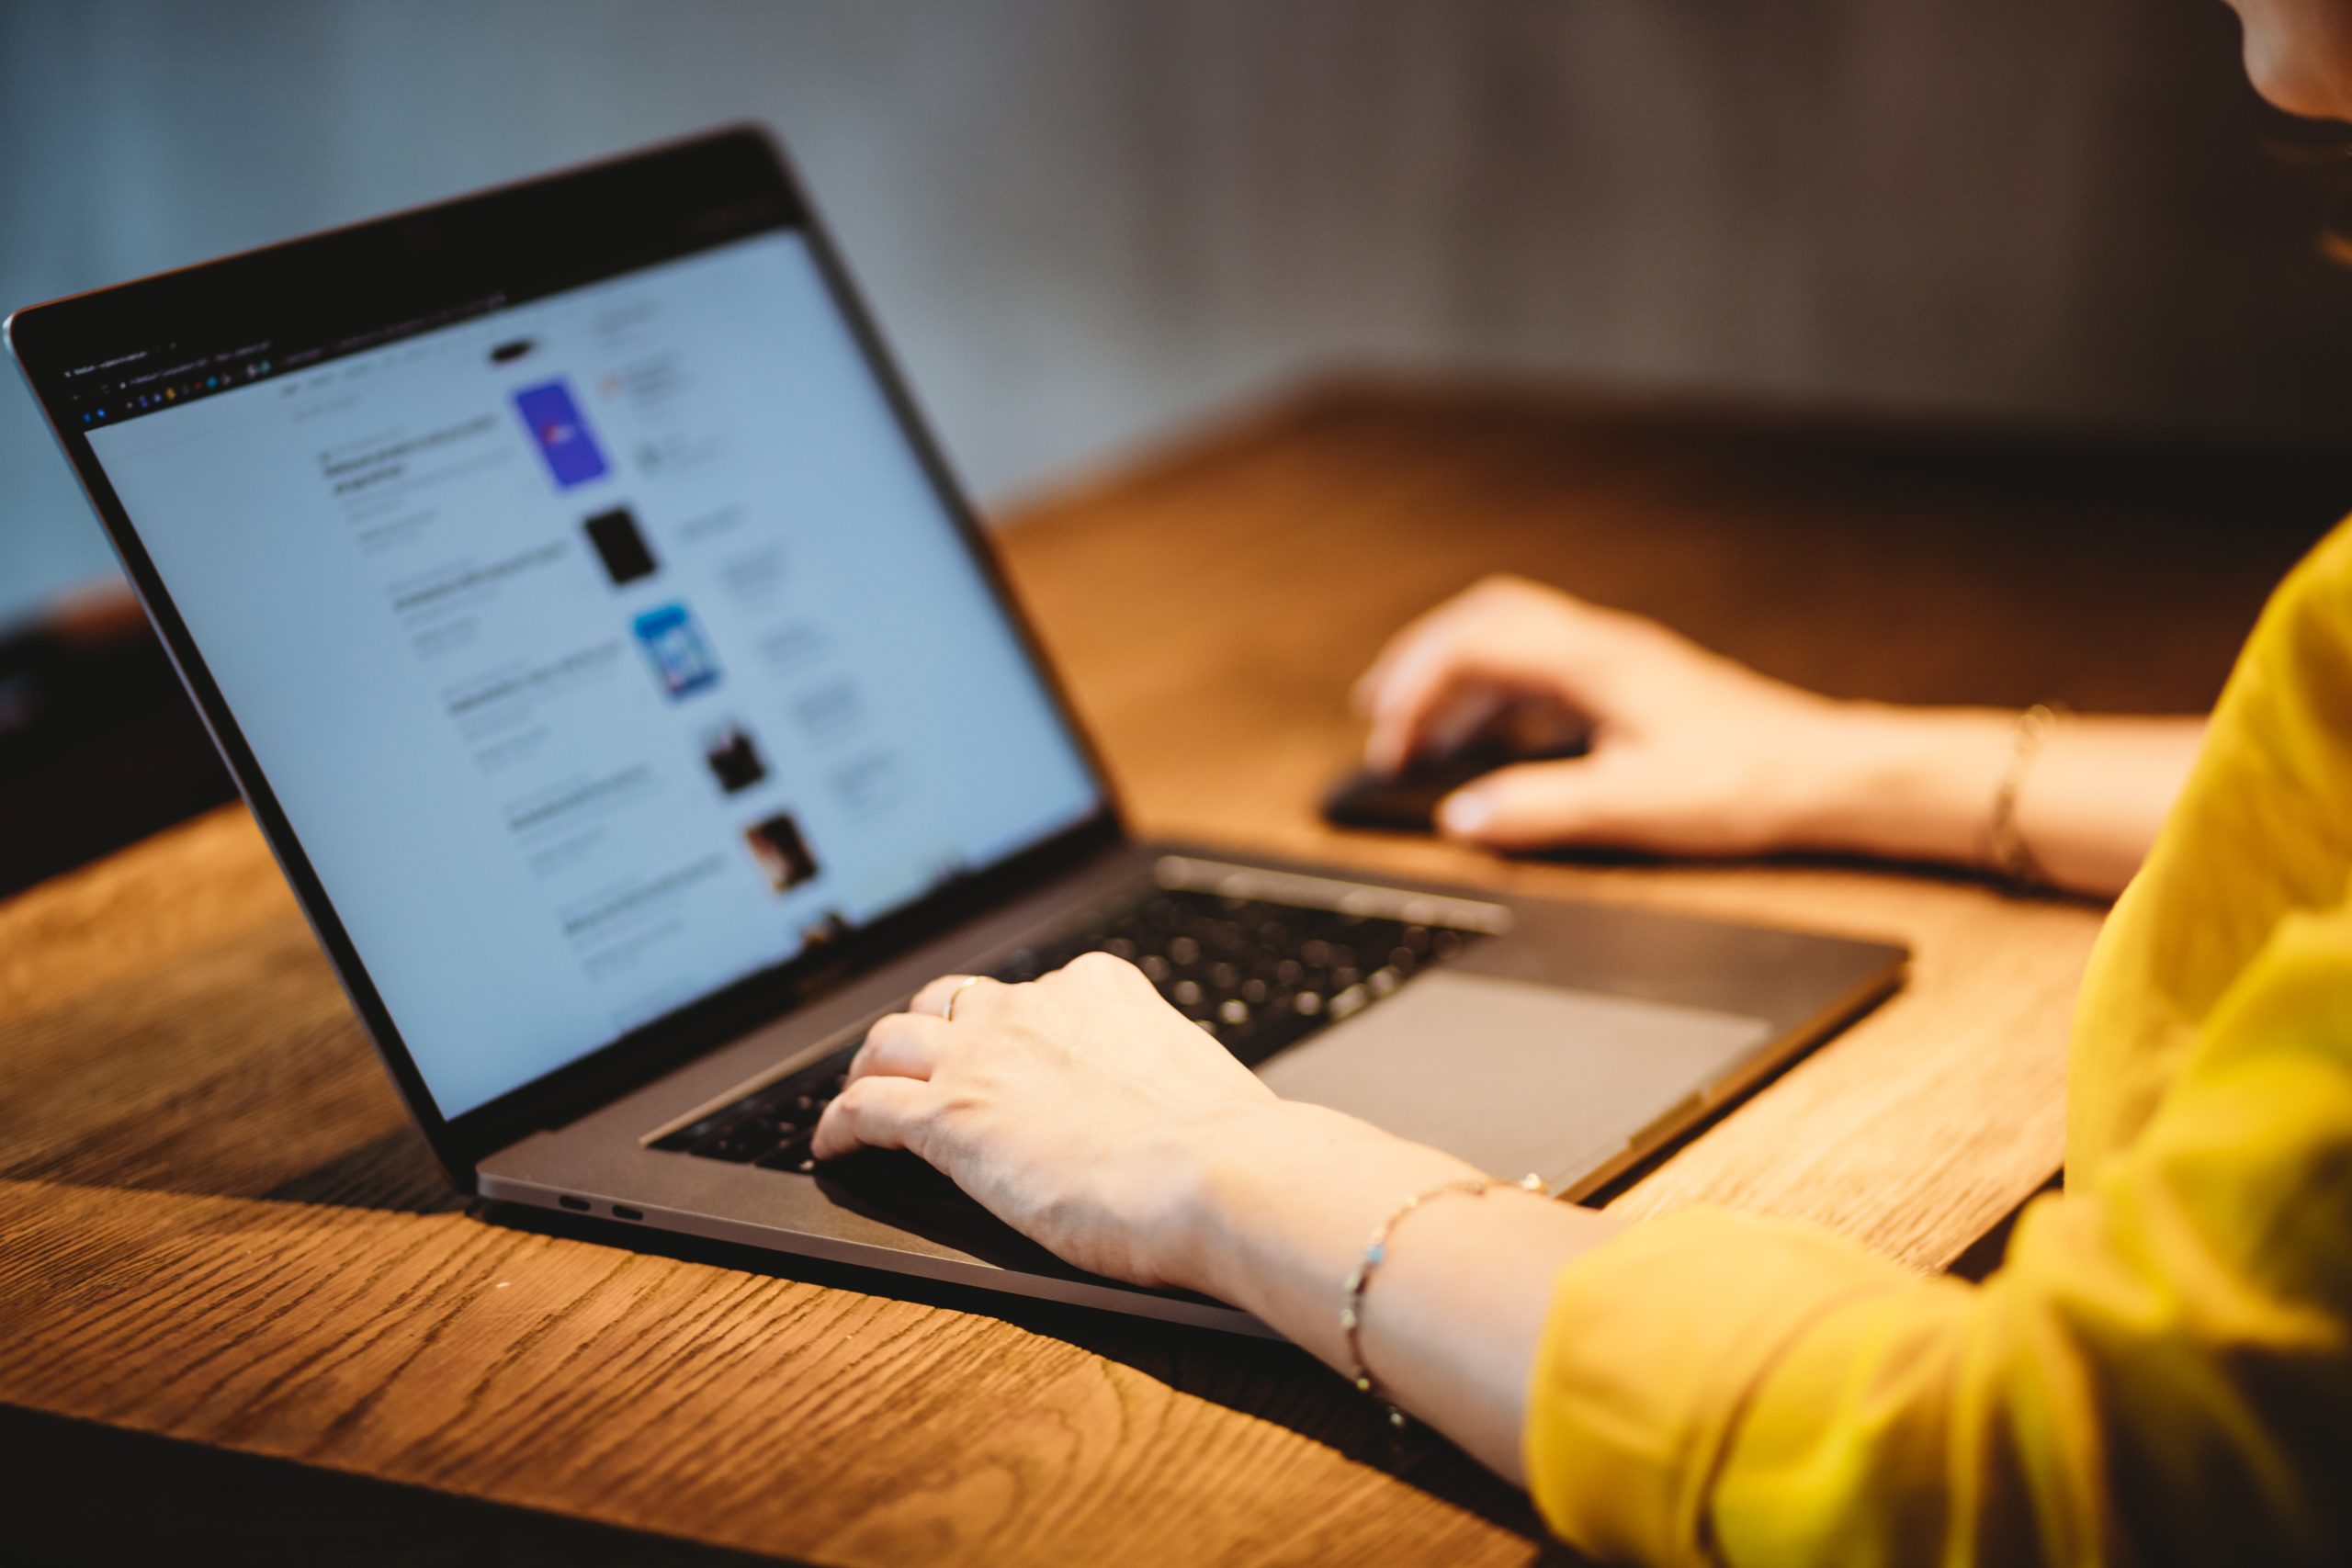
<point x="627" y="692"/>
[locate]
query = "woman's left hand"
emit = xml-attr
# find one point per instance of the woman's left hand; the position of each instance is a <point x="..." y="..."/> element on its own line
<point x="1080" y="1109"/>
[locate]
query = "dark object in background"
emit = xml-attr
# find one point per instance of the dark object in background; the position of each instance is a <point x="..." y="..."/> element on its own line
<point x="1407" y="801"/>
<point x="2323" y="149"/>
<point x="99" y="746"/>
<point x="621" y="545"/>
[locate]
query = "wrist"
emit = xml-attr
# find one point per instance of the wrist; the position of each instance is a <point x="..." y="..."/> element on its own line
<point x="1904" y="784"/>
<point x="1284" y="1177"/>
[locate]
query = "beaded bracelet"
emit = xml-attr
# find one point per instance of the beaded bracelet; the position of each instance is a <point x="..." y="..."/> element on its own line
<point x="2009" y="855"/>
<point x="1376" y="1252"/>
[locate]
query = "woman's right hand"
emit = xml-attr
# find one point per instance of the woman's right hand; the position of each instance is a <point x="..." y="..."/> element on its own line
<point x="1691" y="752"/>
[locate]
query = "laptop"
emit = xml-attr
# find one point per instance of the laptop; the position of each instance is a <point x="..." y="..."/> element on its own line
<point x="625" y="688"/>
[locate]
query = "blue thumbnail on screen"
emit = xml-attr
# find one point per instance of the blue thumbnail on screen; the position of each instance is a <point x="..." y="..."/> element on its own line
<point x="681" y="654"/>
<point x="562" y="433"/>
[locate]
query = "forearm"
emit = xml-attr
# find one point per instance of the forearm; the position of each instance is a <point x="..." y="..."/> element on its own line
<point x="1452" y="1316"/>
<point x="1918" y="784"/>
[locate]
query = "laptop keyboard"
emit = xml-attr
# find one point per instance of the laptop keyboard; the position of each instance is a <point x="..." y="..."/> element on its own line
<point x="1257" y="975"/>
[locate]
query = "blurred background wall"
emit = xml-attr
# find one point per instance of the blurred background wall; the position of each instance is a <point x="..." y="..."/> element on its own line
<point x="1086" y="223"/>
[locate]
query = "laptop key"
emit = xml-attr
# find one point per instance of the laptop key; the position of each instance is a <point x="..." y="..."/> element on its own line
<point x="688" y="1136"/>
<point x="1257" y="977"/>
<point x="740" y="1145"/>
<point x="793" y="1155"/>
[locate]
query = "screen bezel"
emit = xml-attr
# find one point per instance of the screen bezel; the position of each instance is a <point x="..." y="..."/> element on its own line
<point x="514" y="243"/>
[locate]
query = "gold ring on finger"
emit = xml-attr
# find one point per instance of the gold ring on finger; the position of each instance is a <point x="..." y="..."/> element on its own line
<point x="948" y="1007"/>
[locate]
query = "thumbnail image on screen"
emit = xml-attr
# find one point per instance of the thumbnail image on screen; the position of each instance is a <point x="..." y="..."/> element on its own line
<point x="681" y="654"/>
<point x="554" y="419"/>
<point x="733" y="758"/>
<point x="782" y="853"/>
<point x="620" y="543"/>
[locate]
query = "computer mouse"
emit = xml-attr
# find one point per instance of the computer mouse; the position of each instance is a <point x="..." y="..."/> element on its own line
<point x="1406" y="800"/>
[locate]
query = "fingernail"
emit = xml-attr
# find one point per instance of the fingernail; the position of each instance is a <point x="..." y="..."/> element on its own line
<point x="1464" y="812"/>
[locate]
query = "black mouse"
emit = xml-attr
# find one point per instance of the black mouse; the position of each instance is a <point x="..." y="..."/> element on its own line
<point x="1406" y="801"/>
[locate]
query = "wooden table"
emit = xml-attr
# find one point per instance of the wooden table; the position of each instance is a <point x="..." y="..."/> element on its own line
<point x="215" y="1225"/>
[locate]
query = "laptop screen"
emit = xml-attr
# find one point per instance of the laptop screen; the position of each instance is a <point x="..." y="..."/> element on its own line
<point x="602" y="650"/>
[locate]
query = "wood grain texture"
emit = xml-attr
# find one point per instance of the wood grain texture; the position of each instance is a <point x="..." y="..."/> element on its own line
<point x="215" y="1225"/>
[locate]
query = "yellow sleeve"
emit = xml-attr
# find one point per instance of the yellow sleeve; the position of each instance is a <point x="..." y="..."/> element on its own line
<point x="2162" y="1368"/>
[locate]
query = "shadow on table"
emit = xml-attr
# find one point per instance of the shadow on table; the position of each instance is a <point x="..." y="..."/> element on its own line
<point x="395" y="1172"/>
<point x="1607" y="857"/>
<point x="64" y="1491"/>
<point x="1267" y="1379"/>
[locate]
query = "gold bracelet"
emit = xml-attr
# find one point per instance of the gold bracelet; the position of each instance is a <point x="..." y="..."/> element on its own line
<point x="2008" y="853"/>
<point x="1376" y="1252"/>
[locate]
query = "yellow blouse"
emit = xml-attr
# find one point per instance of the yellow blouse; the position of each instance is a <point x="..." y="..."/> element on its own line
<point x="2162" y="1368"/>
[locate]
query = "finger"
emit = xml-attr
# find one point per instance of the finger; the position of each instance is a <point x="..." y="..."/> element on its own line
<point x="1365" y="692"/>
<point x="959" y="994"/>
<point x="1439" y="672"/>
<point x="1103" y="968"/>
<point x="876" y="1113"/>
<point x="1463" y="714"/>
<point x="1535" y="805"/>
<point x="1481" y="599"/>
<point x="1573" y="656"/>
<point x="904" y="1044"/>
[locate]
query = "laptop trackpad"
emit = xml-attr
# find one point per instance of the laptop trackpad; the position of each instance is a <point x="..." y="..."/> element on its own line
<point x="1515" y="1076"/>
